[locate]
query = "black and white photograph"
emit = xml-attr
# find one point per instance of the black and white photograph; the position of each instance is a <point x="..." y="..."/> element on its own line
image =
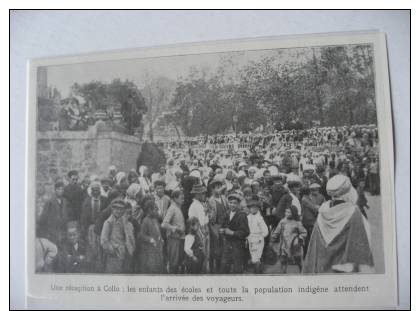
<point x="250" y="162"/>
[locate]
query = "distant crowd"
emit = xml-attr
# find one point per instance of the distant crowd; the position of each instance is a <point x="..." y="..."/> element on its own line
<point x="319" y="136"/>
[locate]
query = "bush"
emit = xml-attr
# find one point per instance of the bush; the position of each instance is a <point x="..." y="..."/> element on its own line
<point x="152" y="156"/>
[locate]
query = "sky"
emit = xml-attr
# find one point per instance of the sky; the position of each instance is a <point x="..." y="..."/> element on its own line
<point x="141" y="70"/>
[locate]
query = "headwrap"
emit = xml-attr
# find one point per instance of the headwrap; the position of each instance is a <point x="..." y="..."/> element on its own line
<point x="119" y="177"/>
<point x="195" y="173"/>
<point x="141" y="170"/>
<point x="293" y="178"/>
<point x="94" y="178"/>
<point x="252" y="168"/>
<point x="314" y="186"/>
<point x="274" y="170"/>
<point x="308" y="167"/>
<point x="339" y="187"/>
<point x="133" y="190"/>
<point x="96" y="184"/>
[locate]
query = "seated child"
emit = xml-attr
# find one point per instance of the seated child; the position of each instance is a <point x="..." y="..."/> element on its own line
<point x="72" y="258"/>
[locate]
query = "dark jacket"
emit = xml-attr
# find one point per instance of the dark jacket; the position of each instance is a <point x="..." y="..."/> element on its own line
<point x="239" y="225"/>
<point x="75" y="196"/>
<point x="53" y="220"/>
<point x="284" y="202"/>
<point x="88" y="215"/>
<point x="151" y="256"/>
<point x="310" y="205"/>
<point x="72" y="260"/>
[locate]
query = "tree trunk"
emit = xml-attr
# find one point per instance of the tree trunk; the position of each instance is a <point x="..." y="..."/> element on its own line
<point x="177" y="132"/>
<point x="150" y="117"/>
<point x="151" y="130"/>
<point x="317" y="93"/>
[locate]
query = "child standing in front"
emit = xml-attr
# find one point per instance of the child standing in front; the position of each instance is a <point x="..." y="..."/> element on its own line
<point x="193" y="247"/>
<point x="258" y="231"/>
<point x="117" y="238"/>
<point x="291" y="234"/>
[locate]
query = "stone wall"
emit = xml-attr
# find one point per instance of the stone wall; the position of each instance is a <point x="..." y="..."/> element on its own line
<point x="90" y="152"/>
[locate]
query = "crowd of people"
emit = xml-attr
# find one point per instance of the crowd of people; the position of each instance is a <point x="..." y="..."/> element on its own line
<point x="318" y="136"/>
<point x="218" y="211"/>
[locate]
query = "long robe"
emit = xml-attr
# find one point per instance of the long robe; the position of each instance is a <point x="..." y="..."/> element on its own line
<point x="151" y="256"/>
<point x="339" y="242"/>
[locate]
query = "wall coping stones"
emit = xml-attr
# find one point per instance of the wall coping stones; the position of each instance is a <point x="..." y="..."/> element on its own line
<point x="86" y="135"/>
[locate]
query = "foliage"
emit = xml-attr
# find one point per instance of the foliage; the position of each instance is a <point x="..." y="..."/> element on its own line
<point x="157" y="94"/>
<point x="319" y="86"/>
<point x="152" y="156"/>
<point x="47" y="112"/>
<point x="117" y="96"/>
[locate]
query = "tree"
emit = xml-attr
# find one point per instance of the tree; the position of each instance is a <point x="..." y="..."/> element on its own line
<point x="203" y="107"/>
<point x="157" y="93"/>
<point x="324" y="86"/>
<point x="152" y="156"/>
<point x="350" y="80"/>
<point x="117" y="96"/>
<point x="94" y="93"/>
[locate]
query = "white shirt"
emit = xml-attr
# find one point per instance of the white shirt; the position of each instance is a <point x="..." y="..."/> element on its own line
<point x="197" y="210"/>
<point x="157" y="176"/>
<point x="232" y="214"/>
<point x="170" y="178"/>
<point x="189" y="241"/>
<point x="296" y="203"/>
<point x="257" y="226"/>
<point x="248" y="181"/>
<point x="302" y="163"/>
<point x="145" y="184"/>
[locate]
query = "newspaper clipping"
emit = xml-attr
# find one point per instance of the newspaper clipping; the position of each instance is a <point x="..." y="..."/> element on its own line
<point x="235" y="174"/>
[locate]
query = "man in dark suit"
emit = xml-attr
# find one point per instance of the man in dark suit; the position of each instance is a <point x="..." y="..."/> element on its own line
<point x="92" y="207"/>
<point x="54" y="217"/>
<point x="75" y="195"/>
<point x="235" y="231"/>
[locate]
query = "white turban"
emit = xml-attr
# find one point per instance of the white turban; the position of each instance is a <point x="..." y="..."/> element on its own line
<point x="119" y="177"/>
<point x="133" y="190"/>
<point x="195" y="173"/>
<point x="339" y="187"/>
<point x="141" y="170"/>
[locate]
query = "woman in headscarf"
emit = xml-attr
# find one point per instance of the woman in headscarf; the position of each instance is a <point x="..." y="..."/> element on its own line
<point x="120" y="186"/>
<point x="133" y="198"/>
<point x="151" y="241"/>
<point x="340" y="239"/>
<point x="144" y="180"/>
<point x="132" y="177"/>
